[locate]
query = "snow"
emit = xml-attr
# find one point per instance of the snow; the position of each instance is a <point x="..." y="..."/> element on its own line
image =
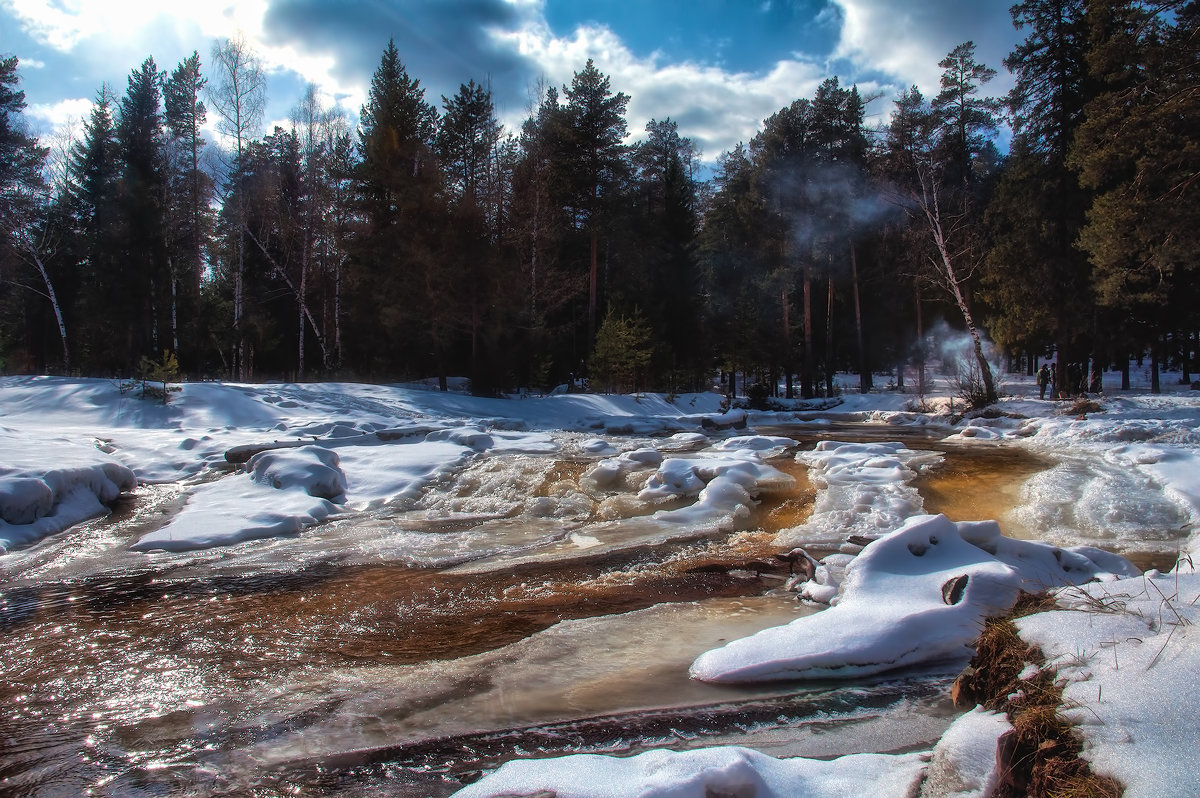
<point x="915" y="596"/>
<point x="702" y="773"/>
<point x="52" y="482"/>
<point x="866" y="489"/>
<point x="964" y="760"/>
<point x="908" y="593"/>
<point x="1128" y="652"/>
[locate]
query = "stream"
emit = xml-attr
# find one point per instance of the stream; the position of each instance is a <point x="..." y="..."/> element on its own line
<point x="401" y="654"/>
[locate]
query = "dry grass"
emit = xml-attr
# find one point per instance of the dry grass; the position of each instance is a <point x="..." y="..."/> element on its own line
<point x="1039" y="758"/>
<point x="1082" y="407"/>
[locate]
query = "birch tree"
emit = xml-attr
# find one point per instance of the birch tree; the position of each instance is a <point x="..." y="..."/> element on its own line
<point x="238" y="97"/>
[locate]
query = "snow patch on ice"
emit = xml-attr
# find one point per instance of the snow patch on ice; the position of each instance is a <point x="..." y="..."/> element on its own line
<point x="726" y="771"/>
<point x="282" y="491"/>
<point x="38" y="499"/>
<point x="916" y="596"/>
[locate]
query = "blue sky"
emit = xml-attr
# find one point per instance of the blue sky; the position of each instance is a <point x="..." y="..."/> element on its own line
<point x="718" y="67"/>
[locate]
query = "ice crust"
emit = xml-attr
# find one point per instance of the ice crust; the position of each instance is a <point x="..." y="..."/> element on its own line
<point x="1125" y="476"/>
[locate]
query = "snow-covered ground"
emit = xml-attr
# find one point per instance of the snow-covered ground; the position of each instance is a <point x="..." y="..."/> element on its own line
<point x="259" y="462"/>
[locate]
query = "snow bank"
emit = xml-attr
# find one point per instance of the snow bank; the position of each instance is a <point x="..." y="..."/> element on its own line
<point x="964" y="760"/>
<point x="1127" y="653"/>
<point x="864" y="489"/>
<point x="916" y="596"/>
<point x="48" y="487"/>
<point x="283" y="491"/>
<point x="726" y="771"/>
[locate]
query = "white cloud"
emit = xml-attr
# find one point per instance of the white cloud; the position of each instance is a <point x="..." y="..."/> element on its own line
<point x="714" y="107"/>
<point x="907" y="40"/>
<point x="138" y="27"/>
<point x="65" y="24"/>
<point x="58" y="115"/>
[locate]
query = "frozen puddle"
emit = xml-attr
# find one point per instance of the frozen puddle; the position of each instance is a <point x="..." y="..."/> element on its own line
<point x="617" y="683"/>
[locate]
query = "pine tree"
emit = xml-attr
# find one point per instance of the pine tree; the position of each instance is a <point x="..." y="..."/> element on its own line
<point x="100" y="226"/>
<point x="399" y="295"/>
<point x="466" y="140"/>
<point x="191" y="186"/>
<point x="540" y="231"/>
<point x="969" y="122"/>
<point x="29" y="224"/>
<point x="146" y="276"/>
<point x="596" y="122"/>
<point x="663" y="275"/>
<point x="1137" y="149"/>
<point x="1038" y="208"/>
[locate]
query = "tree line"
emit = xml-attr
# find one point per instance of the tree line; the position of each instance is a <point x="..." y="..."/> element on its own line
<point x="430" y="241"/>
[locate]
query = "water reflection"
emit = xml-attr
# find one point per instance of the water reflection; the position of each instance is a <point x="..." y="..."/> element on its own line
<point x="349" y="660"/>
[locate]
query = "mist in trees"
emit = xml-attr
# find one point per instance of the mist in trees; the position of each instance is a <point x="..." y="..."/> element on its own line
<point x="431" y="242"/>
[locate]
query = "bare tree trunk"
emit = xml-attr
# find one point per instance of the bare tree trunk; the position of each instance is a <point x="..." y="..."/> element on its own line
<point x="174" y="307"/>
<point x="1155" y="355"/>
<point x="829" y="338"/>
<point x="592" y="285"/>
<point x="533" y="256"/>
<point x="930" y="207"/>
<point x="31" y="255"/>
<point x="300" y="315"/>
<point x="790" y="391"/>
<point x="921" y="386"/>
<point x="864" y="370"/>
<point x="806" y="369"/>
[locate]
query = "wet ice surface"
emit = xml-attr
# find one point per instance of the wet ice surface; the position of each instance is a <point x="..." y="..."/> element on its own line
<point x="1091" y="501"/>
<point x="439" y="630"/>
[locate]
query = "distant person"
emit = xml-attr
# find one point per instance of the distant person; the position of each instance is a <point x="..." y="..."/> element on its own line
<point x="1053" y="381"/>
<point x="1043" y="381"/>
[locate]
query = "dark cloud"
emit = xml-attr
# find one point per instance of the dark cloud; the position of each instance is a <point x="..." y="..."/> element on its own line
<point x="442" y="43"/>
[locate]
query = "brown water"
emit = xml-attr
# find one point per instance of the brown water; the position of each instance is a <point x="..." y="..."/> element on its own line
<point x="980" y="483"/>
<point x="201" y="677"/>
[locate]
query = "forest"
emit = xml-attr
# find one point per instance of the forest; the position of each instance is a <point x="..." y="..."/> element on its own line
<point x="429" y="242"/>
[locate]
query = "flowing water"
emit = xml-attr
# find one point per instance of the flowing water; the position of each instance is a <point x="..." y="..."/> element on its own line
<point x="337" y="662"/>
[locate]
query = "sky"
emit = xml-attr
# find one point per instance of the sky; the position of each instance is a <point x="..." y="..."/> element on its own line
<point x="716" y="67"/>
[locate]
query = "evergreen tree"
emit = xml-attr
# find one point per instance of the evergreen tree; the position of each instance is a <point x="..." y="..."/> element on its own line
<point x="1137" y="148"/>
<point x="146" y="276"/>
<point x="969" y="122"/>
<point x="467" y="139"/>
<point x="664" y="275"/>
<point x="623" y="352"/>
<point x="1038" y="280"/>
<point x="732" y="260"/>
<point x="402" y="304"/>
<point x="191" y="187"/>
<point x="100" y="224"/>
<point x="29" y="226"/>
<point x="595" y="119"/>
<point x="541" y="226"/>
